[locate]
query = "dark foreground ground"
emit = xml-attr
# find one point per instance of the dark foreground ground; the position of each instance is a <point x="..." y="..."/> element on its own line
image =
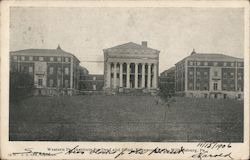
<point x="126" y="118"/>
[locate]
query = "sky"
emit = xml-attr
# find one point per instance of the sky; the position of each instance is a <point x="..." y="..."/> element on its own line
<point x="85" y="32"/>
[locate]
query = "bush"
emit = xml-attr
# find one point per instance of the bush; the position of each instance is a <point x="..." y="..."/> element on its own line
<point x="21" y="86"/>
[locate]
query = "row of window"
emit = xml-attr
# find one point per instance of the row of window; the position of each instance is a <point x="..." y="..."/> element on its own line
<point x="215" y="86"/>
<point x="231" y="75"/>
<point x="198" y="86"/>
<point x="31" y="58"/>
<point x="59" y="83"/>
<point x="225" y="64"/>
<point x="225" y="74"/>
<point x="198" y="73"/>
<point x="59" y="71"/>
<point x="51" y="70"/>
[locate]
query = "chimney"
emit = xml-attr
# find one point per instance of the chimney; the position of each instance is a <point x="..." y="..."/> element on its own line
<point x="144" y="43"/>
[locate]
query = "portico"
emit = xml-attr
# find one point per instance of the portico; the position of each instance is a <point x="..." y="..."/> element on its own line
<point x="131" y="66"/>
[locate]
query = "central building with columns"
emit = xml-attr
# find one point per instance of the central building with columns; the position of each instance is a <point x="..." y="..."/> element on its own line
<point x="131" y="67"/>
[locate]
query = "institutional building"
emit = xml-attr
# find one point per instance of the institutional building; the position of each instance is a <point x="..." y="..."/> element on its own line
<point x="210" y="75"/>
<point x="167" y="82"/>
<point x="91" y="84"/>
<point x="130" y="67"/>
<point x="54" y="71"/>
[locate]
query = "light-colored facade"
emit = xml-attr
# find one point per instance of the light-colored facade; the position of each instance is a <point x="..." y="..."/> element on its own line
<point x="54" y="71"/>
<point x="131" y="66"/>
<point x="210" y="76"/>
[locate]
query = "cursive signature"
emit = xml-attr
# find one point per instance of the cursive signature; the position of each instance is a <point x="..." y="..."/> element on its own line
<point x="30" y="152"/>
<point x="204" y="154"/>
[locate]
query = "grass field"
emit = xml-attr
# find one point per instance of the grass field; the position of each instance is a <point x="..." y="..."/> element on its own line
<point x="126" y="118"/>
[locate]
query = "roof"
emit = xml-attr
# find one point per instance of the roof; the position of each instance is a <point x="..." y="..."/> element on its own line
<point x="82" y="68"/>
<point x="212" y="56"/>
<point x="170" y="70"/>
<point x="130" y="45"/>
<point x="44" y="52"/>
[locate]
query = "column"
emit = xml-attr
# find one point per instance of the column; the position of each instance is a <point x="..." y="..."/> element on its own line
<point x="186" y="76"/>
<point x="121" y="75"/>
<point x="136" y="75"/>
<point x="194" y="87"/>
<point x="155" y="76"/>
<point x="236" y="76"/>
<point x="128" y="75"/>
<point x="115" y="75"/>
<point x="71" y="73"/>
<point x="143" y="76"/>
<point x="108" y="75"/>
<point x="149" y="75"/>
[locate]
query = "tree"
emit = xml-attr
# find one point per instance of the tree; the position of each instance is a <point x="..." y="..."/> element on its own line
<point x="21" y="85"/>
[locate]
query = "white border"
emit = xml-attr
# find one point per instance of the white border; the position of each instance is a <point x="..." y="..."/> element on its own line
<point x="239" y="150"/>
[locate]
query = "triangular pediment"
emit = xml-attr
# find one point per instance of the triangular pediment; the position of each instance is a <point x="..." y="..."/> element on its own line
<point x="130" y="46"/>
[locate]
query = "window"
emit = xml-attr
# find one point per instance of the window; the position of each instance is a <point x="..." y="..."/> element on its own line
<point x="30" y="69"/>
<point x="239" y="76"/>
<point x="94" y="78"/>
<point x="59" y="59"/>
<point x="205" y="95"/>
<point x="239" y="96"/>
<point x="58" y="82"/>
<point x="198" y="63"/>
<point x="66" y="83"/>
<point x="66" y="59"/>
<point x="224" y="86"/>
<point x="215" y="86"/>
<point x="51" y="59"/>
<point x="15" y="58"/>
<point x="40" y="68"/>
<point x="215" y="63"/>
<point x="51" y="70"/>
<point x="198" y="75"/>
<point x="66" y="70"/>
<point x="51" y="82"/>
<point x="216" y="73"/>
<point x="59" y="71"/>
<point x="22" y="58"/>
<point x="232" y="86"/>
<point x="40" y="82"/>
<point x="224" y="75"/>
<point x="232" y="64"/>
<point x="225" y="64"/>
<point x="225" y="96"/>
<point x="232" y="75"/>
<point x="94" y="87"/>
<point x="190" y="73"/>
<point x="15" y="67"/>
<point x="205" y="87"/>
<point x="239" y="64"/>
<point x="205" y="63"/>
<point x="205" y="75"/>
<point x="22" y="68"/>
<point x="41" y="58"/>
<point x="191" y="63"/>
<point x="30" y="58"/>
<point x="239" y="88"/>
<point x="198" y="86"/>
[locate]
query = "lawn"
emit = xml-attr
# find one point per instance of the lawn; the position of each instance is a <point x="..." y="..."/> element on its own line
<point x="126" y="118"/>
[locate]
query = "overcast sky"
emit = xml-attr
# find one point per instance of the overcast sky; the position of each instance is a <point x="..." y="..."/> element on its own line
<point x="85" y="32"/>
